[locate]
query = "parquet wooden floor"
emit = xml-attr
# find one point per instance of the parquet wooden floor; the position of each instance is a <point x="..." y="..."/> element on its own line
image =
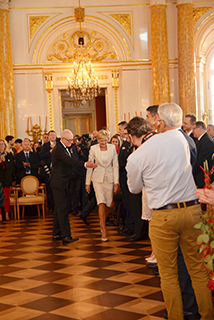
<point x="91" y="280"/>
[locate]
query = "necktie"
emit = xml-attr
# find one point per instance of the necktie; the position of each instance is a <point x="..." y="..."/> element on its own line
<point x="27" y="161"/>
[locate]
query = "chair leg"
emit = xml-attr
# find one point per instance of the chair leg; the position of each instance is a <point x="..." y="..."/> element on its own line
<point x="23" y="211"/>
<point x="38" y="210"/>
<point x="14" y="210"/>
<point x="43" y="210"/>
<point x="18" y="212"/>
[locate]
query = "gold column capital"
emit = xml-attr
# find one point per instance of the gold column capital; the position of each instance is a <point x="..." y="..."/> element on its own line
<point x="4" y="4"/>
<point x="115" y="80"/>
<point x="49" y="82"/>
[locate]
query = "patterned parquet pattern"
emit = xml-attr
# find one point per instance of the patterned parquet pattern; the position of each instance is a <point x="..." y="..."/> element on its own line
<point x="43" y="280"/>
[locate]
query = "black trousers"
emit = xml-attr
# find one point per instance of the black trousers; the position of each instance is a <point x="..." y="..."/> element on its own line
<point x="61" y="224"/>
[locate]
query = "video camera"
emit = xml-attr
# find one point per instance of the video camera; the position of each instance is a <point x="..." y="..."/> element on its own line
<point x="84" y="139"/>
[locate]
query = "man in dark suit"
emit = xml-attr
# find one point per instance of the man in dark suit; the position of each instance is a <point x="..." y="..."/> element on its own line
<point x="205" y="150"/>
<point x="187" y="125"/>
<point x="122" y="157"/>
<point x="45" y="157"/>
<point x="26" y="161"/>
<point x="60" y="179"/>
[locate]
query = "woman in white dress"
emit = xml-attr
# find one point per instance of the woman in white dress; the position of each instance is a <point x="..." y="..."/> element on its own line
<point x="105" y="177"/>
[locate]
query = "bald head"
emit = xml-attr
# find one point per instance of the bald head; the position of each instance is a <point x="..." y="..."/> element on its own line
<point x="67" y="137"/>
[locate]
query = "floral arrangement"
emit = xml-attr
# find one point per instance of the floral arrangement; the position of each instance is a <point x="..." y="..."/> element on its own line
<point x="205" y="241"/>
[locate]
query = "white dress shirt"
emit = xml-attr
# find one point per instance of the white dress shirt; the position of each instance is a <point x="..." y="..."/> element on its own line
<point x="162" y="165"/>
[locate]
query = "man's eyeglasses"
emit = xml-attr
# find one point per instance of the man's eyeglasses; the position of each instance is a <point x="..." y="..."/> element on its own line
<point x="69" y="140"/>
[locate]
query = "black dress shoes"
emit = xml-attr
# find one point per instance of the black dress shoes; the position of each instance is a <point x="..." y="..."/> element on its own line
<point x="123" y="231"/>
<point x="136" y="237"/>
<point x="75" y="213"/>
<point x="57" y="237"/>
<point x="152" y="265"/>
<point x="68" y="240"/>
<point x="84" y="219"/>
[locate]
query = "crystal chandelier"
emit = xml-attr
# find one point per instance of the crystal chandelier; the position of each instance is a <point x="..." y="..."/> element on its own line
<point x="82" y="85"/>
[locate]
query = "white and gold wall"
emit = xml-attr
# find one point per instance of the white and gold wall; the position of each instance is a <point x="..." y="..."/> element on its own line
<point x="143" y="53"/>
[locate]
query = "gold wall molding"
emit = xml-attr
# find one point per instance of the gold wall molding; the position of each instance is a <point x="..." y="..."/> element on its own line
<point x="103" y="24"/>
<point x="35" y="23"/>
<point x="198" y="12"/>
<point x="7" y="95"/>
<point x="124" y="19"/>
<point x="100" y="77"/>
<point x="187" y="98"/>
<point x="160" y="60"/>
<point x="49" y="89"/>
<point x="115" y="86"/>
<point x="96" y="48"/>
<point x="73" y="103"/>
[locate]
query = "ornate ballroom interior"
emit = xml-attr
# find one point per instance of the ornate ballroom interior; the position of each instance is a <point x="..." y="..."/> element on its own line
<point x="142" y="52"/>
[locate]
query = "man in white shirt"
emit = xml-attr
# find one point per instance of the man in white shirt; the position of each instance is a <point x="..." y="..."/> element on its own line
<point x="163" y="166"/>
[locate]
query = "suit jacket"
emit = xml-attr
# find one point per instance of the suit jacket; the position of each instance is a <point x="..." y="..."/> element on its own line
<point x="192" y="147"/>
<point x="122" y="156"/>
<point x="109" y="167"/>
<point x="7" y="172"/>
<point x="45" y="153"/>
<point x="62" y="165"/>
<point x="205" y="150"/>
<point x="21" y="170"/>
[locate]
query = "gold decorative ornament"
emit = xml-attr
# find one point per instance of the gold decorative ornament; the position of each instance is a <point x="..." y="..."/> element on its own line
<point x="198" y="12"/>
<point x="124" y="19"/>
<point x="35" y="131"/>
<point x="96" y="48"/>
<point x="206" y="116"/>
<point x="79" y="13"/>
<point x="35" y="23"/>
<point x="49" y="89"/>
<point x="73" y="103"/>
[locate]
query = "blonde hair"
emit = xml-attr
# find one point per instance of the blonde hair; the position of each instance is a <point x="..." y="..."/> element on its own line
<point x="6" y="149"/>
<point x="102" y="134"/>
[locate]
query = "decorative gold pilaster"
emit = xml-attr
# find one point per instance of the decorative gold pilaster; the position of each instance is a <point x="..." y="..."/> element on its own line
<point x="115" y="86"/>
<point x="160" y="61"/>
<point x="186" y="58"/>
<point x="7" y="100"/>
<point x="49" y="89"/>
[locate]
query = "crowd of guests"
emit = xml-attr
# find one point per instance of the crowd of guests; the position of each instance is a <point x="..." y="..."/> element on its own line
<point x="147" y="172"/>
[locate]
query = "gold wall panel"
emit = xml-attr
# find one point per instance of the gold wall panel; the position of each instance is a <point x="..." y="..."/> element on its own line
<point x="198" y="12"/>
<point x="186" y="58"/>
<point x="160" y="61"/>
<point x="124" y="19"/>
<point x="7" y="102"/>
<point x="96" y="47"/>
<point x="35" y="23"/>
